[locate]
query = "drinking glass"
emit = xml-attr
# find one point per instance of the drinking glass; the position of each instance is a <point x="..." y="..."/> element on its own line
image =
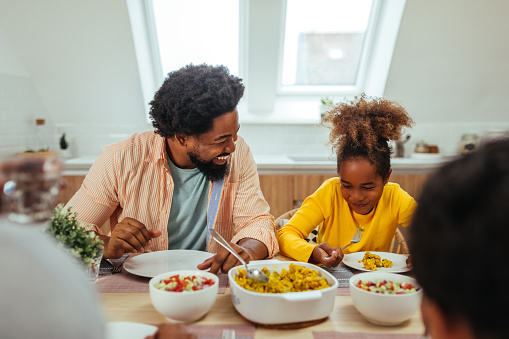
<point x="31" y="185"/>
<point x="93" y="269"/>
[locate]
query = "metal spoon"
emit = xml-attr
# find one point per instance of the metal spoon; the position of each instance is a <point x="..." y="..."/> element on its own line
<point x="253" y="273"/>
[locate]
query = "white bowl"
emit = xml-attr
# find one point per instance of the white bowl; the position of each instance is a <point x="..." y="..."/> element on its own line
<point x="183" y="306"/>
<point x="385" y="309"/>
<point x="283" y="308"/>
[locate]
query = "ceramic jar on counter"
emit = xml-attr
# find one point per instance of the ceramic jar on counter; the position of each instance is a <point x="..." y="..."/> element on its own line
<point x="421" y="147"/>
<point x="468" y="143"/>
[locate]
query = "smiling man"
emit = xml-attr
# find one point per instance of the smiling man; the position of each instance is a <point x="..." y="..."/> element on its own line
<point x="164" y="189"/>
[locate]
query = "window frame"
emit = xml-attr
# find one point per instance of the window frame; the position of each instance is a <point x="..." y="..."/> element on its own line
<point x="260" y="61"/>
<point x="329" y="90"/>
<point x="150" y="69"/>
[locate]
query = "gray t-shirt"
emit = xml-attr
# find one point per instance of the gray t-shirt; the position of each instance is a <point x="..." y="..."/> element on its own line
<point x="187" y="223"/>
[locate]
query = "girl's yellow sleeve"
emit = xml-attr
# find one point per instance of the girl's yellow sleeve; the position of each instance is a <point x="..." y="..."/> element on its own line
<point x="291" y="237"/>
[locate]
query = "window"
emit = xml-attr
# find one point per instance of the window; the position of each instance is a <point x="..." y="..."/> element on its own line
<point x="197" y="31"/>
<point x="290" y="53"/>
<point x="323" y="43"/>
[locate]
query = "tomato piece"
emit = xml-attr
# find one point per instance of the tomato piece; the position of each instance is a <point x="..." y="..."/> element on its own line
<point x="178" y="283"/>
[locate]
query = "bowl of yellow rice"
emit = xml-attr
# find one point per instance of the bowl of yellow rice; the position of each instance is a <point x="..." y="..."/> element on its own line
<point x="296" y="292"/>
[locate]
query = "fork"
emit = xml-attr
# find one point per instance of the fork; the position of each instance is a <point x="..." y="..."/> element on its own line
<point x="356" y="238"/>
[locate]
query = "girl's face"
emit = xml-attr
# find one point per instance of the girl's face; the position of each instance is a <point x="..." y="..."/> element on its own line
<point x="361" y="186"/>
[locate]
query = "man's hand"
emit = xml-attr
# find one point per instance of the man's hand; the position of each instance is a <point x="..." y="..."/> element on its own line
<point x="248" y="249"/>
<point x="128" y="236"/>
<point x="326" y="255"/>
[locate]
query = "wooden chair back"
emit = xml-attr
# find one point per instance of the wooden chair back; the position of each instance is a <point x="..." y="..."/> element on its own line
<point x="285" y="216"/>
<point x="399" y="244"/>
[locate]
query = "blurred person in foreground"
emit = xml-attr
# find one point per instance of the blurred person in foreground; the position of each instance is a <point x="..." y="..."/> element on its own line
<point x="458" y="240"/>
<point x="43" y="292"/>
<point x="156" y="187"/>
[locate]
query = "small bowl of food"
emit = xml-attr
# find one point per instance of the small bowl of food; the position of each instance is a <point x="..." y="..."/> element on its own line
<point x="387" y="299"/>
<point x="297" y="292"/>
<point x="184" y="296"/>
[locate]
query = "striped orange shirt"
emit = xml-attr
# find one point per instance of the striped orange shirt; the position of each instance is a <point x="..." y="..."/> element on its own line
<point x="131" y="178"/>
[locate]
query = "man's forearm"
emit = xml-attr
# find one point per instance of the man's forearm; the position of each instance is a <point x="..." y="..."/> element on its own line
<point x="256" y="249"/>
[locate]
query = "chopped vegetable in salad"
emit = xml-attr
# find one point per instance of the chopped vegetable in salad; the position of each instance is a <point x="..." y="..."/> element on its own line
<point x="189" y="283"/>
<point x="386" y="286"/>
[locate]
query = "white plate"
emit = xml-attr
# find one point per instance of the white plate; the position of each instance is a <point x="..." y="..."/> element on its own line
<point x="128" y="330"/>
<point x="151" y="264"/>
<point x="398" y="261"/>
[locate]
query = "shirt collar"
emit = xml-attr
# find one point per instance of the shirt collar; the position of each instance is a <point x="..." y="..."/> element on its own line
<point x="158" y="151"/>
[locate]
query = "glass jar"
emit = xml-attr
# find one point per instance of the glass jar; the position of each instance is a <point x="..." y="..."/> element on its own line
<point x="40" y="136"/>
<point x="468" y="143"/>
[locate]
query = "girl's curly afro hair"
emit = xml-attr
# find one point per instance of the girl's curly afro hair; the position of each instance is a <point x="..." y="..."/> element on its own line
<point x="192" y="97"/>
<point x="363" y="127"/>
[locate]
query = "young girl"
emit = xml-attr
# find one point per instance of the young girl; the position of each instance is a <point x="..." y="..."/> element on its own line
<point x="362" y="196"/>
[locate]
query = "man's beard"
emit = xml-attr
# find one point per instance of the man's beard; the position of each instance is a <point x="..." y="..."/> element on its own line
<point x="211" y="171"/>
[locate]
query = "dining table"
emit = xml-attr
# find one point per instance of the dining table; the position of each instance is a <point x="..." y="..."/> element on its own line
<point x="124" y="297"/>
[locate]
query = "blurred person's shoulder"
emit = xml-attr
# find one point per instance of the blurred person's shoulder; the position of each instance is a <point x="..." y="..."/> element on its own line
<point x="42" y="285"/>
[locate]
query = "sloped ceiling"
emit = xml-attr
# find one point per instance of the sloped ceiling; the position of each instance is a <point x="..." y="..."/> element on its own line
<point x="79" y="55"/>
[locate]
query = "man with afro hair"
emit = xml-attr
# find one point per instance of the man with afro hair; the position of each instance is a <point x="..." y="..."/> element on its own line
<point x="166" y="188"/>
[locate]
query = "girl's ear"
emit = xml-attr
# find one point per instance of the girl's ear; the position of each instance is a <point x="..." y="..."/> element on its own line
<point x="386" y="180"/>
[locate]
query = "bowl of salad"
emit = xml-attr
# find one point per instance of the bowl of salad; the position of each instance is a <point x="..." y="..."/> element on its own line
<point x="185" y="295"/>
<point x="387" y="299"/>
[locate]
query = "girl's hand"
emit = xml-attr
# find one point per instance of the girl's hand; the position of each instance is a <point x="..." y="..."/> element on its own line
<point x="409" y="262"/>
<point x="326" y="255"/>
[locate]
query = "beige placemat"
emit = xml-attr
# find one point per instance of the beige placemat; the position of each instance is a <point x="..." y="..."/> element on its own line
<point x="122" y="283"/>
<point x="126" y="282"/>
<point x="364" y="335"/>
<point x="343" y="291"/>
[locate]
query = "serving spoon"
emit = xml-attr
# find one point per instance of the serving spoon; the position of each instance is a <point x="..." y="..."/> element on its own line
<point x="253" y="273"/>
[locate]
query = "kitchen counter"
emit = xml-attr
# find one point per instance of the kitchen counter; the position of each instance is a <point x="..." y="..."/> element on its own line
<point x="297" y="164"/>
<point x="323" y="164"/>
<point x="78" y="166"/>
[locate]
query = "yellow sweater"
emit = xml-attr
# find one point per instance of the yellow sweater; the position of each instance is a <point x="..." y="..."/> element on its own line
<point x="327" y="205"/>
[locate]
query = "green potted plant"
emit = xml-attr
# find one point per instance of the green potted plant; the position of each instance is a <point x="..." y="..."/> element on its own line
<point x="326" y="104"/>
<point x="64" y="146"/>
<point x="85" y="246"/>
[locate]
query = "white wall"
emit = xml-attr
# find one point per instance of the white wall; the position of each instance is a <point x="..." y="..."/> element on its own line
<point x="19" y="102"/>
<point x="451" y="60"/>
<point x="450" y="68"/>
<point x="79" y="54"/>
<point x="9" y="61"/>
<point x="73" y="62"/>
